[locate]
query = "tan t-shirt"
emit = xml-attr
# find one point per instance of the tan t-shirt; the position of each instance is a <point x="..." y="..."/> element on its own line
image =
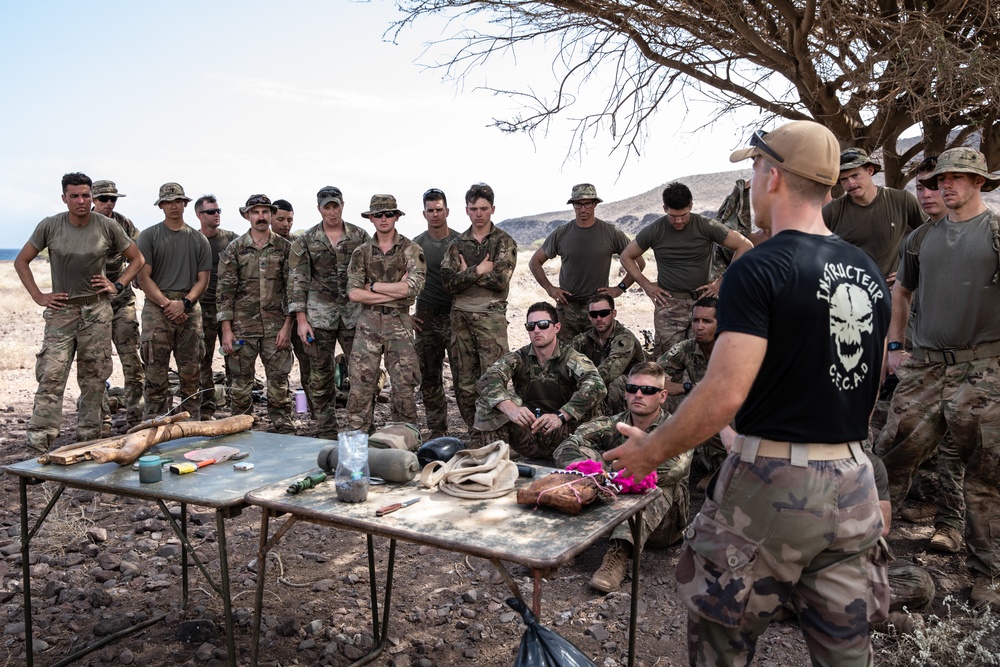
<point x="586" y="255"/>
<point x="76" y="254"/>
<point x="683" y="258"/>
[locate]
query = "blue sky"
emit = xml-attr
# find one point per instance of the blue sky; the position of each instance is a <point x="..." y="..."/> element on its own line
<point x="236" y="98"/>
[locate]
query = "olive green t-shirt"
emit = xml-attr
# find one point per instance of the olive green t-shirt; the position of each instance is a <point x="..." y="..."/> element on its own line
<point x="175" y="258"/>
<point x="683" y="258"/>
<point x="217" y="244"/>
<point x="585" y="254"/>
<point x="433" y="293"/>
<point x="76" y="254"/>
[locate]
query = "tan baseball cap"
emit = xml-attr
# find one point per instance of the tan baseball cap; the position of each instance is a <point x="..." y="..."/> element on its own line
<point x="802" y="147"/>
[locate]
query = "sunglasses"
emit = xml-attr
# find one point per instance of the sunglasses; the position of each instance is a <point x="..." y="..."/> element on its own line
<point x="383" y="214"/>
<point x="211" y="211"/>
<point x="757" y="141"/>
<point x="584" y="204"/>
<point x="433" y="192"/>
<point x="541" y="324"/>
<point x="644" y="388"/>
<point x="594" y="314"/>
<point x="104" y="199"/>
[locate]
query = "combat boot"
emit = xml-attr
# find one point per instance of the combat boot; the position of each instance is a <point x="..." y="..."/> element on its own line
<point x="947" y="539"/>
<point x="609" y="576"/>
<point x="918" y="513"/>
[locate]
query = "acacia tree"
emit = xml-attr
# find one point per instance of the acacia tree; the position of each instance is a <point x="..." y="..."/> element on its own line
<point x="867" y="69"/>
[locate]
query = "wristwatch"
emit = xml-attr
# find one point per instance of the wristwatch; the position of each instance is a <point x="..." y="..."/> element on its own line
<point x="187" y="303"/>
<point x="622" y="286"/>
<point x="371" y="286"/>
<point x="895" y="346"/>
<point x="687" y="387"/>
<point x="562" y="417"/>
<point x="119" y="287"/>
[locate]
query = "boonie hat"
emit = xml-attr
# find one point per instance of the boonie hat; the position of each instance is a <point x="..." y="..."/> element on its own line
<point x="963" y="160"/>
<point x="802" y="147"/>
<point x="257" y="200"/>
<point x="582" y="192"/>
<point x="328" y="194"/>
<point x="382" y="204"/>
<point x="852" y="158"/>
<point x="171" y="192"/>
<point x="104" y="189"/>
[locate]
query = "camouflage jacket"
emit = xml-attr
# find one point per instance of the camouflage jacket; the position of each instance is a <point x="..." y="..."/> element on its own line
<point x="485" y="293"/>
<point x="600" y="435"/>
<point x="567" y="381"/>
<point x="614" y="358"/>
<point x="405" y="257"/>
<point x="251" y="290"/>
<point x="684" y="356"/>
<point x="114" y="266"/>
<point x="318" y="277"/>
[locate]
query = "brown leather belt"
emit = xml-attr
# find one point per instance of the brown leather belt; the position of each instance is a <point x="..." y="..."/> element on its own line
<point x="799" y="453"/>
<point x="952" y="357"/>
<point x="385" y="310"/>
<point x="433" y="310"/>
<point x="86" y="300"/>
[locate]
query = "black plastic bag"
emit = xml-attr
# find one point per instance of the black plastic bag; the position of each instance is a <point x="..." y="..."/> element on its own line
<point x="541" y="647"/>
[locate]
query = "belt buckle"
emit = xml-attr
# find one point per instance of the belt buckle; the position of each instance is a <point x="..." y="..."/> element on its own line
<point x="949" y="357"/>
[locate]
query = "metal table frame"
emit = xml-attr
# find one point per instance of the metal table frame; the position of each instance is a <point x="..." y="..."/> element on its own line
<point x="319" y="506"/>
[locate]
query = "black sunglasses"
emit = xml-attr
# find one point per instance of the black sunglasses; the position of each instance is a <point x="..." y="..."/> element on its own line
<point x="211" y="211"/>
<point x="757" y="141"/>
<point x="541" y="324"/>
<point x="104" y="199"/>
<point x="383" y="214"/>
<point x="644" y="388"/>
<point x="594" y="314"/>
<point x="433" y="192"/>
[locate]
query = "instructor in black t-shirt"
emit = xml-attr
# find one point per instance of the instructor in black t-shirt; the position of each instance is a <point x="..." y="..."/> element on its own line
<point x="793" y="512"/>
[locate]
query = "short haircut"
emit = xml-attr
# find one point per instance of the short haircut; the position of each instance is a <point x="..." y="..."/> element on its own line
<point x="707" y="302"/>
<point x="650" y="368"/>
<point x="283" y="205"/>
<point x="75" y="178"/>
<point x="677" y="196"/>
<point x="434" y="194"/>
<point x="927" y="165"/>
<point x="799" y="187"/>
<point x="204" y="199"/>
<point x="479" y="191"/>
<point x="543" y="306"/>
<point x="601" y="297"/>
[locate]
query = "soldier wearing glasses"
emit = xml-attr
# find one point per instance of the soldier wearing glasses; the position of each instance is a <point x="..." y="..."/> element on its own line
<point x="585" y="247"/>
<point x="385" y="276"/>
<point x="613" y="348"/>
<point x="534" y="397"/>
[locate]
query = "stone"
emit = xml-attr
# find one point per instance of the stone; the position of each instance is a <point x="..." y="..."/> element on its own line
<point x="205" y="652"/>
<point x="126" y="657"/>
<point x="598" y="632"/>
<point x="199" y="631"/>
<point x="97" y="534"/>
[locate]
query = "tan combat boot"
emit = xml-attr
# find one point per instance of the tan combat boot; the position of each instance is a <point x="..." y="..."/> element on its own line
<point x="609" y="576"/>
<point x="947" y="539"/>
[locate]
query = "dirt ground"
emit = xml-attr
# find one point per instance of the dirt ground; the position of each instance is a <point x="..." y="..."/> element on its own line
<point x="101" y="562"/>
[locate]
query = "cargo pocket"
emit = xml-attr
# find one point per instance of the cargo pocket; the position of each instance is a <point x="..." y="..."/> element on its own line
<point x="877" y="566"/>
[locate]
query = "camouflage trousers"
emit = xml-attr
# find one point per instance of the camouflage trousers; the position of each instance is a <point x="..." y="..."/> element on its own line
<point x="160" y="337"/>
<point x="810" y="537"/>
<point x="299" y="350"/>
<point x="322" y="355"/>
<point x="82" y="331"/>
<point x="530" y="445"/>
<point x="477" y="340"/>
<point x="964" y="400"/>
<point x="277" y="365"/>
<point x="125" y="335"/>
<point x="379" y="334"/>
<point x="433" y="342"/>
<point x="672" y="324"/>
<point x="573" y="318"/>
<point x="210" y="329"/>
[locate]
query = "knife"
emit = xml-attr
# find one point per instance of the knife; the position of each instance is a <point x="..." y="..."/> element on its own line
<point x="388" y="509"/>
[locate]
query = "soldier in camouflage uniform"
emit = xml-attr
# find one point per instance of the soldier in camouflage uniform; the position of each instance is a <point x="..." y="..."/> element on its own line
<point x="534" y="398"/>
<point x="253" y="314"/>
<point x="950" y="382"/>
<point x="432" y="316"/>
<point x="210" y="216"/>
<point x="664" y="520"/>
<point x="178" y="264"/>
<point x="125" y="325"/>
<point x="793" y="515"/>
<point x="318" y="298"/>
<point x="613" y="349"/>
<point x="735" y="214"/>
<point x="281" y="224"/>
<point x="77" y="313"/>
<point x="477" y="268"/>
<point x="385" y="276"/>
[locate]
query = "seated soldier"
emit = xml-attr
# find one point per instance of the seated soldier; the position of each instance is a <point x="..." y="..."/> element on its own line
<point x="613" y="349"/>
<point x="690" y="358"/>
<point x="663" y="521"/>
<point x="552" y="390"/>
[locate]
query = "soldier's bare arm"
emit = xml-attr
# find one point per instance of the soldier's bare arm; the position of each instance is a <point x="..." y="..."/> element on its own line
<point x="739" y="244"/>
<point x="54" y="300"/>
<point x="535" y="266"/>
<point x="199" y="286"/>
<point x="901" y="300"/>
<point x="630" y="262"/>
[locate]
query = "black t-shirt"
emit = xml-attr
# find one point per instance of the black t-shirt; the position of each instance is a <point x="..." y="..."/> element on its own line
<point x="823" y="307"/>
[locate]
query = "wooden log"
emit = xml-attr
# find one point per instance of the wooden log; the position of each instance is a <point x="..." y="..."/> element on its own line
<point x="159" y="421"/>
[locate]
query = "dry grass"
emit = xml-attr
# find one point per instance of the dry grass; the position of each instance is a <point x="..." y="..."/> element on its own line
<point x="961" y="637"/>
<point x="21" y="323"/>
<point x="66" y="526"/>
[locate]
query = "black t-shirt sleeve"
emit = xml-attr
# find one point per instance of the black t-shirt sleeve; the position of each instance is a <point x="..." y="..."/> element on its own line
<point x="745" y="300"/>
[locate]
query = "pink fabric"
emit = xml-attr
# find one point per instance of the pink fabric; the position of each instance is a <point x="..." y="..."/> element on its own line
<point x="627" y="484"/>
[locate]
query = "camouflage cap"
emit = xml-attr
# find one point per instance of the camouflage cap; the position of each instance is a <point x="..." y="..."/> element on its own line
<point x="328" y="194"/>
<point x="852" y="158"/>
<point x="803" y="147"/>
<point x="382" y="204"/>
<point x="583" y="192"/>
<point x="104" y="189"/>
<point x="962" y="160"/>
<point x="171" y="192"/>
<point x="257" y="200"/>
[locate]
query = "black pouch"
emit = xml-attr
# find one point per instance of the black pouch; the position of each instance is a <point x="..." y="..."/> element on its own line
<point x="542" y="647"/>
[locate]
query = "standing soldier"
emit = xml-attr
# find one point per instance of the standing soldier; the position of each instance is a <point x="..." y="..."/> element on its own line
<point x="318" y="299"/>
<point x="385" y="276"/>
<point x="585" y="247"/>
<point x="432" y="319"/>
<point x="125" y="326"/>
<point x="253" y="313"/>
<point x="178" y="264"/>
<point x="281" y="224"/>
<point x="477" y="268"/>
<point x="210" y="216"/>
<point x="77" y="313"/>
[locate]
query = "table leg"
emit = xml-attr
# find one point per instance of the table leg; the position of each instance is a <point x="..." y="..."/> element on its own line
<point x="380" y="631"/>
<point x="227" y="601"/>
<point x="635" y="525"/>
<point x="258" y="600"/>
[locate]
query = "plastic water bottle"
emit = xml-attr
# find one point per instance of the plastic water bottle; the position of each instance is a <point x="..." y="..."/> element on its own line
<point x="301" y="404"/>
<point x="236" y="344"/>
